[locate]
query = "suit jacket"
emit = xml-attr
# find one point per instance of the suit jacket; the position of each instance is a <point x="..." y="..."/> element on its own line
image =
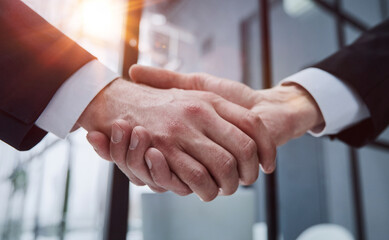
<point x="35" y="59"/>
<point x="364" y="66"/>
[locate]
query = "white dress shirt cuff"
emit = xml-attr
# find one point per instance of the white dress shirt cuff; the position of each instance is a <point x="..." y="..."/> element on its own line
<point x="73" y="97"/>
<point x="340" y="105"/>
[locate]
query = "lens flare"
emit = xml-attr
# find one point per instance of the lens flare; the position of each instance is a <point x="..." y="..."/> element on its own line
<point x="98" y="18"/>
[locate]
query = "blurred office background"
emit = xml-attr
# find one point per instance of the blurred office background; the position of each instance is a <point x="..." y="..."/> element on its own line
<point x="61" y="188"/>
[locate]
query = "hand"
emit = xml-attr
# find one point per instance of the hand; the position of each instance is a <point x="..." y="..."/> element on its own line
<point x="136" y="147"/>
<point x="288" y="111"/>
<point x="194" y="130"/>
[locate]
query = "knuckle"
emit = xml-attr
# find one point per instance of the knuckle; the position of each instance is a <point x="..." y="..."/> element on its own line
<point x="228" y="166"/>
<point x="162" y="140"/>
<point x="249" y="149"/>
<point x="208" y="96"/>
<point x="253" y="120"/>
<point x="174" y="126"/>
<point x="198" y="79"/>
<point x="192" y="109"/>
<point x="212" y="97"/>
<point x="197" y="177"/>
<point x="142" y="133"/>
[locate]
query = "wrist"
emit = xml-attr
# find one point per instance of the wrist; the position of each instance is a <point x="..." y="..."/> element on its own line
<point x="288" y="111"/>
<point x="304" y="108"/>
<point x="100" y="114"/>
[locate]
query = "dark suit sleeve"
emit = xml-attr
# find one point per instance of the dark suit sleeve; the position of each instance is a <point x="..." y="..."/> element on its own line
<point x="364" y="66"/>
<point x="35" y="60"/>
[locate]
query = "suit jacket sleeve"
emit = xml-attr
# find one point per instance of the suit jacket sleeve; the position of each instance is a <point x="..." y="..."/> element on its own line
<point x="364" y="66"/>
<point x="35" y="60"/>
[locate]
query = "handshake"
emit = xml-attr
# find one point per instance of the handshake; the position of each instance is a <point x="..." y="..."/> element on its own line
<point x="195" y="132"/>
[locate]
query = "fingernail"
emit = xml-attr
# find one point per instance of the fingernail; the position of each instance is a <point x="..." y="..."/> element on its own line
<point x="272" y="167"/>
<point x="148" y="162"/>
<point x="201" y="199"/>
<point x="117" y="134"/>
<point x="134" y="140"/>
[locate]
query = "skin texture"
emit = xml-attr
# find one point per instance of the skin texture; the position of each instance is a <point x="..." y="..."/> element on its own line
<point x="287" y="111"/>
<point x="208" y="143"/>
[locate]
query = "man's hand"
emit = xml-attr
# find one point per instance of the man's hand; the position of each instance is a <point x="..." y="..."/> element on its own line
<point x="136" y="147"/>
<point x="288" y="111"/>
<point x="208" y="142"/>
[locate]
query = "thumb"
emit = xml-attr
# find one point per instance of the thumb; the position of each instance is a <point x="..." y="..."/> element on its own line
<point x="100" y="142"/>
<point x="235" y="92"/>
<point x="159" y="78"/>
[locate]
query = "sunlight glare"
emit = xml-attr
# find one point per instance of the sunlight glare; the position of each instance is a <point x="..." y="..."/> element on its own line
<point x="97" y="18"/>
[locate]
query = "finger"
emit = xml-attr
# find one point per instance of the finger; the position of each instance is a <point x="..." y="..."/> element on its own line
<point x="134" y="180"/>
<point x="160" y="78"/>
<point x="193" y="174"/>
<point x="157" y="77"/>
<point x="100" y="143"/>
<point x="120" y="139"/>
<point x="162" y="175"/>
<point x="240" y="145"/>
<point x="140" y="143"/>
<point x="221" y="164"/>
<point x="140" y="138"/>
<point x="157" y="190"/>
<point x="134" y="159"/>
<point x="252" y="125"/>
